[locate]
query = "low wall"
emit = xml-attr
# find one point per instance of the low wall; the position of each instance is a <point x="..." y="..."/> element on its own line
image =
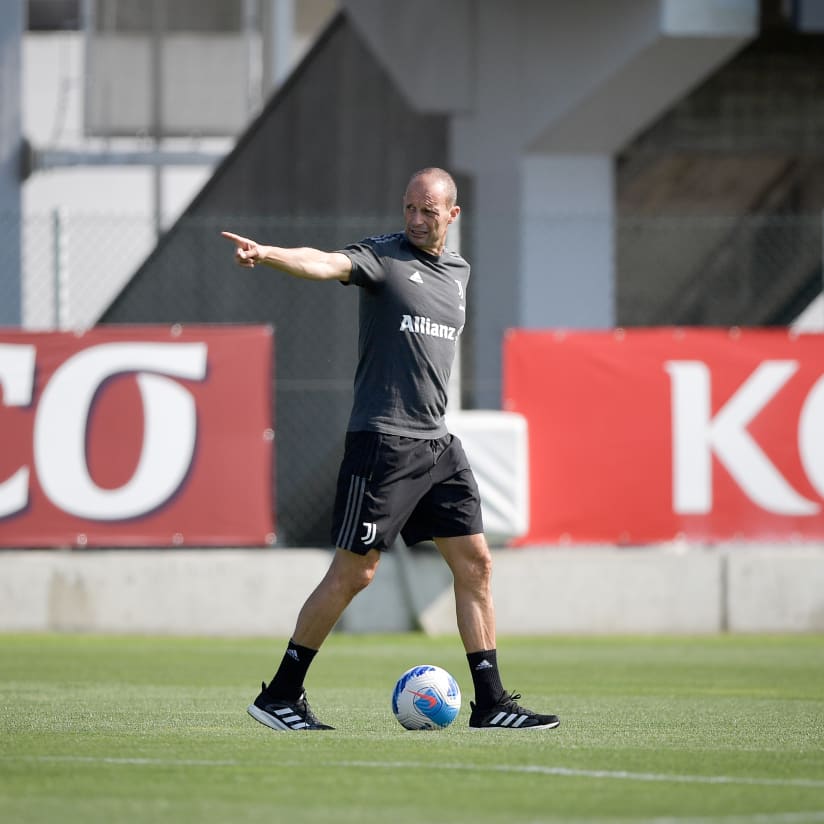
<point x="537" y="591"/>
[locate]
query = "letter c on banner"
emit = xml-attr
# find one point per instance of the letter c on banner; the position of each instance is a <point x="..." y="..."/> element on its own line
<point x="16" y="381"/>
<point x="170" y="427"/>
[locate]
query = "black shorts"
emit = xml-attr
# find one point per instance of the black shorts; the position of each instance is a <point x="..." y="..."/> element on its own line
<point x="389" y="484"/>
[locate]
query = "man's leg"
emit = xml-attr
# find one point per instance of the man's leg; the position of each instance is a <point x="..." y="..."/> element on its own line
<point x="347" y="575"/>
<point x="470" y="560"/>
<point x="282" y="704"/>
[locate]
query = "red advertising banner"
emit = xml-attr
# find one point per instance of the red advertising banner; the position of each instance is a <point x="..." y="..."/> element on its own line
<point x="657" y="434"/>
<point x="136" y="436"/>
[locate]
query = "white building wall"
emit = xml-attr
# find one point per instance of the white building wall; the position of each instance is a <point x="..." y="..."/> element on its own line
<point x="87" y="228"/>
<point x="104" y="213"/>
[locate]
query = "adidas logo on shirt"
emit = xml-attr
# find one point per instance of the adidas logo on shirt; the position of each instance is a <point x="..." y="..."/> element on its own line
<point x="415" y="277"/>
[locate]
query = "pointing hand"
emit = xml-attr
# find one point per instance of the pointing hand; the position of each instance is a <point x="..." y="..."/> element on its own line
<point x="247" y="252"/>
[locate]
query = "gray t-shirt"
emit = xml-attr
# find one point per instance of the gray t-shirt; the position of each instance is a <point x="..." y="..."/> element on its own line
<point x="412" y="311"/>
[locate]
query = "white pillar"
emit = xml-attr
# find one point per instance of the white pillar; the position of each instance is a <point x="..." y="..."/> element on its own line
<point x="278" y="28"/>
<point x="567" y="242"/>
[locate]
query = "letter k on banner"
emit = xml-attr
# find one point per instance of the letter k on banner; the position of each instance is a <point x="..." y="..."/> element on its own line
<point x="696" y="437"/>
<point x="650" y="434"/>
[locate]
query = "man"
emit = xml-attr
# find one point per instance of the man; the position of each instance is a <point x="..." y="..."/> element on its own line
<point x="402" y="472"/>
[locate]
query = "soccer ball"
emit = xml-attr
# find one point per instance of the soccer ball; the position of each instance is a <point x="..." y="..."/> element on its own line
<point x="426" y="697"/>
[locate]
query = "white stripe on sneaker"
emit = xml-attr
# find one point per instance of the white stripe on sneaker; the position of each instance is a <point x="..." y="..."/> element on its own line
<point x="266" y="718"/>
<point x="511" y="720"/>
<point x="275" y="720"/>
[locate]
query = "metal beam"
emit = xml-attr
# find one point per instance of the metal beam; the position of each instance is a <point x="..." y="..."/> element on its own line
<point x="49" y="159"/>
<point x="11" y="37"/>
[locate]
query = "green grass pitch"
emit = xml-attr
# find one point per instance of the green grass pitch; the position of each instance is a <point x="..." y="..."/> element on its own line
<point x="691" y="730"/>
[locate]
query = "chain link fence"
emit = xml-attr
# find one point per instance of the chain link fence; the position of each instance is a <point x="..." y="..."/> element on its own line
<point x="74" y="265"/>
<point x="717" y="270"/>
<point x="83" y="269"/>
<point x="690" y="270"/>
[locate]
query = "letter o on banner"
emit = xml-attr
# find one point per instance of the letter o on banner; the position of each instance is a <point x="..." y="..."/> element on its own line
<point x="169" y="436"/>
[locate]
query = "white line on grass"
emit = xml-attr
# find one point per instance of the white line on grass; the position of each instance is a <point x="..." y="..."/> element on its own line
<point x="129" y="762"/>
<point x="757" y="818"/>
<point x="535" y="769"/>
<point x="568" y="772"/>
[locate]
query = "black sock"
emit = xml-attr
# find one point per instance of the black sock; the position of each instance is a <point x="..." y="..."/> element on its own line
<point x="288" y="681"/>
<point x="485" y="677"/>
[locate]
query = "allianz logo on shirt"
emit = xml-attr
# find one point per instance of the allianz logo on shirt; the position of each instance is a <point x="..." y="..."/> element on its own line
<point x="426" y="326"/>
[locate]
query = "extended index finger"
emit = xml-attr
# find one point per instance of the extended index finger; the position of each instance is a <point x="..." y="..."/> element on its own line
<point x="237" y="239"/>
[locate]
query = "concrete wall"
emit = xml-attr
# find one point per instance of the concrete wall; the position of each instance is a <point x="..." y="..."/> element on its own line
<point x="258" y="592"/>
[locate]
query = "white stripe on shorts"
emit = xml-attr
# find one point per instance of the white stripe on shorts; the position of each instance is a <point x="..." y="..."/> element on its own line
<point x="349" y="526"/>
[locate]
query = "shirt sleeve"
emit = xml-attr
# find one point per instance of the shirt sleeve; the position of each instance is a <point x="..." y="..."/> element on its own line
<point x="367" y="266"/>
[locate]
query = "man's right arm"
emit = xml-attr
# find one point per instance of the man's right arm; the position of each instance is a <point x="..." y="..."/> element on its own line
<point x="300" y="262"/>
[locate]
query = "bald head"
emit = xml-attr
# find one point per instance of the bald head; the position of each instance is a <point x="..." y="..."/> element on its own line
<point x="437" y="179"/>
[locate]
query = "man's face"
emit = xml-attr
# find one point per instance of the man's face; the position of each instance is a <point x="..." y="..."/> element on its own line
<point x="427" y="214"/>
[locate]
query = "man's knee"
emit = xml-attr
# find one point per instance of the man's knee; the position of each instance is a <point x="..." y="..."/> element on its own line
<point x="469" y="558"/>
<point x="352" y="572"/>
<point x="480" y="566"/>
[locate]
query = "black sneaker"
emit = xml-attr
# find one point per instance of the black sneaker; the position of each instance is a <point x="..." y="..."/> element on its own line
<point x="285" y="715"/>
<point x="508" y="715"/>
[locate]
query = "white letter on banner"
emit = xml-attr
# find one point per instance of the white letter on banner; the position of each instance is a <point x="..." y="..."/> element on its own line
<point x="811" y="436"/>
<point x="170" y="427"/>
<point x="17" y="382"/>
<point x="695" y="435"/>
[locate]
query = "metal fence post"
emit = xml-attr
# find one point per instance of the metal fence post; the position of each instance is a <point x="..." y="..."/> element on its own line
<point x="60" y="269"/>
